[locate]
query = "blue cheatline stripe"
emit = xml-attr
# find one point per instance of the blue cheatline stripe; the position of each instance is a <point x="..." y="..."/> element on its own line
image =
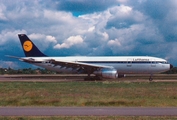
<point x="127" y="62"/>
<point x="103" y="62"/>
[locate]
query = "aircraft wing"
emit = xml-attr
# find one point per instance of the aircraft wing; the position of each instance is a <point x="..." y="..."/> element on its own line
<point x="84" y="66"/>
<point x="79" y="66"/>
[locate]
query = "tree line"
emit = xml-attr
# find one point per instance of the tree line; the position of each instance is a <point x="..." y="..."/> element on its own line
<point x="25" y="71"/>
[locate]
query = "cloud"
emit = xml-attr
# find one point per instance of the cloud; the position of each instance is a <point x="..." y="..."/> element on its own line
<point x="2" y="15"/>
<point x="124" y="16"/>
<point x="9" y="36"/>
<point x="115" y="42"/>
<point x="46" y="40"/>
<point x="72" y="40"/>
<point x="51" y="39"/>
<point x="43" y="37"/>
<point x="162" y="15"/>
<point x="84" y="6"/>
<point x="89" y="27"/>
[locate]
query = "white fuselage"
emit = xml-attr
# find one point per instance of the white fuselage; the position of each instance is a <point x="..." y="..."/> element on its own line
<point x="123" y="65"/>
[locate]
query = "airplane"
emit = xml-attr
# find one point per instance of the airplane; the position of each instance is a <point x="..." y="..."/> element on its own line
<point x="110" y="67"/>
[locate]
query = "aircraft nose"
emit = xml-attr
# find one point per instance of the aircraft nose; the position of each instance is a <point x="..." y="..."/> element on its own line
<point x="171" y="66"/>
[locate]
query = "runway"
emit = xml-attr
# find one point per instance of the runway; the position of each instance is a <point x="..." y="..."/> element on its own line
<point x="78" y="77"/>
<point x="87" y="111"/>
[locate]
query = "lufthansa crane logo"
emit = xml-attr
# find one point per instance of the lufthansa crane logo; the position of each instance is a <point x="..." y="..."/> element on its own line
<point x="27" y="46"/>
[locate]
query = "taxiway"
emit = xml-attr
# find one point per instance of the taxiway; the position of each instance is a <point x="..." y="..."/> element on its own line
<point x="87" y="111"/>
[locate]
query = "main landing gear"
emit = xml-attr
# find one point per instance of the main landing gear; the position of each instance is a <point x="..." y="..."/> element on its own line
<point x="91" y="78"/>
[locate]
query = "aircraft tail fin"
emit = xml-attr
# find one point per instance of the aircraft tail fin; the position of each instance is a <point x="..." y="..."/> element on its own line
<point x="29" y="47"/>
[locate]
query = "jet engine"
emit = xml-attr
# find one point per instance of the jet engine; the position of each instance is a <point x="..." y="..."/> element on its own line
<point x="107" y="73"/>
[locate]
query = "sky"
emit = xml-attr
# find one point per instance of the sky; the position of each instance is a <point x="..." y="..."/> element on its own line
<point x="89" y="28"/>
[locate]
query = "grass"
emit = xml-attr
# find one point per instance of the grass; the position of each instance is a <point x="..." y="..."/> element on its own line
<point x="145" y="94"/>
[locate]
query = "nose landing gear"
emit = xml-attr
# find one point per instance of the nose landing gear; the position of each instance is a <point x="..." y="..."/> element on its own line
<point x="150" y="78"/>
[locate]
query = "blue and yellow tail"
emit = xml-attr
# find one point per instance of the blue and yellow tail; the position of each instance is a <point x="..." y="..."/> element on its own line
<point x="29" y="47"/>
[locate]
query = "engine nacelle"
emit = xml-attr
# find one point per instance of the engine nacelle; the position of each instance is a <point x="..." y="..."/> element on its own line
<point x="107" y="73"/>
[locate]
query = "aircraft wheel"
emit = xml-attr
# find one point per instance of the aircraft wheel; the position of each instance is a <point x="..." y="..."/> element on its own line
<point x="150" y="79"/>
<point x="97" y="78"/>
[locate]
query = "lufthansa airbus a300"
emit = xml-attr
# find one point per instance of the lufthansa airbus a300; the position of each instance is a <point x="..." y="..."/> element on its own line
<point x="101" y="66"/>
